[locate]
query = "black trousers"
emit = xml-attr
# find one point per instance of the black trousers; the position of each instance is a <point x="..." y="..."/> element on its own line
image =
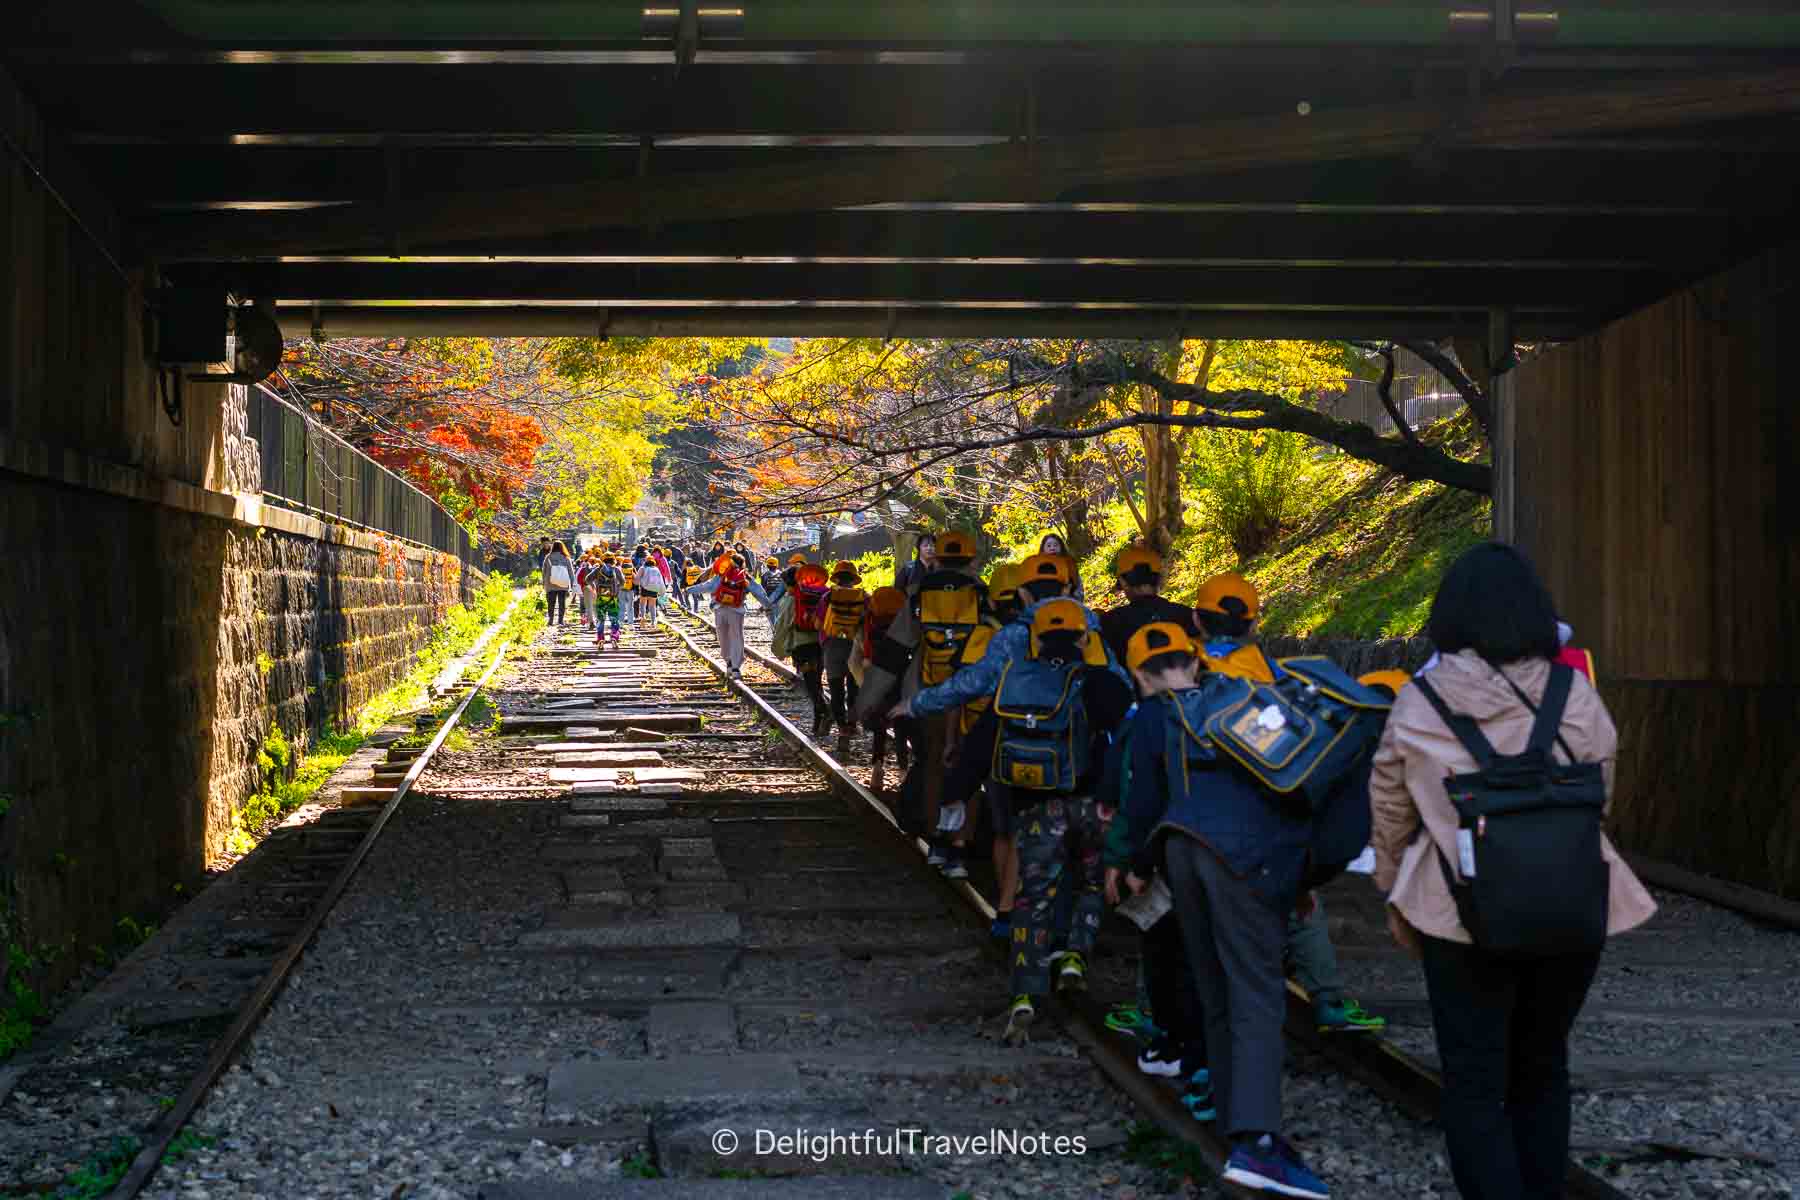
<point x="1174" y="996"/>
<point x="556" y="601"/>
<point x="809" y="664"/>
<point x="1233" y="936"/>
<point x="1503" y="1035"/>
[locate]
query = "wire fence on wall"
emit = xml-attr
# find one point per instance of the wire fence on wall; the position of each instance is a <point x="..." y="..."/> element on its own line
<point x="306" y="466"/>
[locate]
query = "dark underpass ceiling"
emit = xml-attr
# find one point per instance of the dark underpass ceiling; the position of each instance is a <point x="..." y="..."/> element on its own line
<point x="1356" y="169"/>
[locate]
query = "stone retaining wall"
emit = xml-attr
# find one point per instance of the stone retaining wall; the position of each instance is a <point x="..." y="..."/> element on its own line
<point x="145" y="650"/>
<point x="1356" y="655"/>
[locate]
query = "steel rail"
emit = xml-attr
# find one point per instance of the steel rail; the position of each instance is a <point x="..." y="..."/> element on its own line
<point x="250" y="1013"/>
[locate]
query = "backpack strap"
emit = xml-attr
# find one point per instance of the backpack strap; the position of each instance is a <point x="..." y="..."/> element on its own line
<point x="1464" y="728"/>
<point x="1547" y="725"/>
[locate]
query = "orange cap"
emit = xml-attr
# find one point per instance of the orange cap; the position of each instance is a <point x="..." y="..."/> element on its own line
<point x="1158" y="637"/>
<point x="1040" y="567"/>
<point x="1223" y="593"/>
<point x="1139" y="560"/>
<point x="1389" y="681"/>
<point x="955" y="544"/>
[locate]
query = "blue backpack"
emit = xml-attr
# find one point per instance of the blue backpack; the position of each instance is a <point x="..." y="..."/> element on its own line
<point x="1043" y="743"/>
<point x="1329" y="770"/>
<point x="1303" y="735"/>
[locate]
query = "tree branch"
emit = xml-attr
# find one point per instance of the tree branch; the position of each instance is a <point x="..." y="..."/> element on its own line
<point x="1472" y="393"/>
<point x="1385" y="389"/>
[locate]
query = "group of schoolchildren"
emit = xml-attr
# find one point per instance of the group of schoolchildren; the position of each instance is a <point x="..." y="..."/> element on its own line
<point x="1153" y="757"/>
<point x="616" y="588"/>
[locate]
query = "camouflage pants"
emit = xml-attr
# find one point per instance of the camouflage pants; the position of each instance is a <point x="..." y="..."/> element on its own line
<point x="1060" y="839"/>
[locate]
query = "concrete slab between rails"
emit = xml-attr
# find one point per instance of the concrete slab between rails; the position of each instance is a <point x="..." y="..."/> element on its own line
<point x="692" y="1078"/>
<point x="668" y="827"/>
<point x="707" y="1028"/>
<point x="687" y="1144"/>
<point x="594" y="852"/>
<point x="608" y="758"/>
<point x="688" y="1078"/>
<point x="596" y="886"/>
<point x="584" y="775"/>
<point x="586" y="801"/>
<point x="599" y="929"/>
<point x="818" y="1187"/>
<point x="592" y="723"/>
<point x="664" y="974"/>
<point x="695" y="870"/>
<point x="669" y="775"/>
<point x="691" y="897"/>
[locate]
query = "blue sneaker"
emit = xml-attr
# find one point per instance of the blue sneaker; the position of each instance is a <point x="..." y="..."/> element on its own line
<point x="1269" y="1164"/>
<point x="1001" y="929"/>
<point x="1197" y="1097"/>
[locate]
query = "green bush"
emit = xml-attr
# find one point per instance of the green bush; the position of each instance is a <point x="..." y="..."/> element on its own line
<point x="877" y="567"/>
<point x="286" y="786"/>
<point x="1250" y="486"/>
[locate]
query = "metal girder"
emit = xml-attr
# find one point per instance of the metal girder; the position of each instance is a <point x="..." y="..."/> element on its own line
<point x="342" y="102"/>
<point x="1574" y="183"/>
<point x="1249" y="288"/>
<point x="1352" y="237"/>
<point x="1188" y="55"/>
<point x="1235" y="23"/>
<point x="562" y="320"/>
<point x="1002" y="172"/>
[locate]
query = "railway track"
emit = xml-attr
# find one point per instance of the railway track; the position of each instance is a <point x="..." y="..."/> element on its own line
<point x="709" y="925"/>
<point x="1372" y="1061"/>
<point x="330" y="852"/>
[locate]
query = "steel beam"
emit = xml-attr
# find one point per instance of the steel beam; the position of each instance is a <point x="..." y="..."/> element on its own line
<point x="1350" y="238"/>
<point x="562" y="320"/>
<point x="1295" y="288"/>
<point x="1001" y="172"/>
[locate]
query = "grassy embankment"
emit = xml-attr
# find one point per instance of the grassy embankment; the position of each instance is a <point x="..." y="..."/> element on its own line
<point x="287" y="785"/>
<point x="1361" y="557"/>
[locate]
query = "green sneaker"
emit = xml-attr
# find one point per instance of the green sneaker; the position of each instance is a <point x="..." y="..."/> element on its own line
<point x="1072" y="975"/>
<point x="1129" y="1018"/>
<point x="1346" y="1016"/>
<point x="1018" y="1021"/>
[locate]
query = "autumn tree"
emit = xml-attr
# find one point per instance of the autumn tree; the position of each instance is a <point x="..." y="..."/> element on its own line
<point x="937" y="428"/>
<point x="512" y="436"/>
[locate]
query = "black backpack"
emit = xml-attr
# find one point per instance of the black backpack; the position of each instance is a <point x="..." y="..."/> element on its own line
<point x="1533" y="881"/>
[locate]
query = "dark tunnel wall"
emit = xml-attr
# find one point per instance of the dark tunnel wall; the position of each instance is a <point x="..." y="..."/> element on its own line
<point x="1658" y="487"/>
<point x="155" y="617"/>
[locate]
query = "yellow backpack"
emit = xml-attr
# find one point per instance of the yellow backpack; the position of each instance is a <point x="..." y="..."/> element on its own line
<point x="630" y="578"/>
<point x="973" y="652"/>
<point x="844" y="609"/>
<point x="949" y="606"/>
<point x="693" y="575"/>
<point x="1245" y="661"/>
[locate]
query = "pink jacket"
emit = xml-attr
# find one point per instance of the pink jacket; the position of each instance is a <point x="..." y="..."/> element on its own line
<point x="1412" y="811"/>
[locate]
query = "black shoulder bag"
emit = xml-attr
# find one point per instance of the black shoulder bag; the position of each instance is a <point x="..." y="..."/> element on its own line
<point x="1534" y="881"/>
